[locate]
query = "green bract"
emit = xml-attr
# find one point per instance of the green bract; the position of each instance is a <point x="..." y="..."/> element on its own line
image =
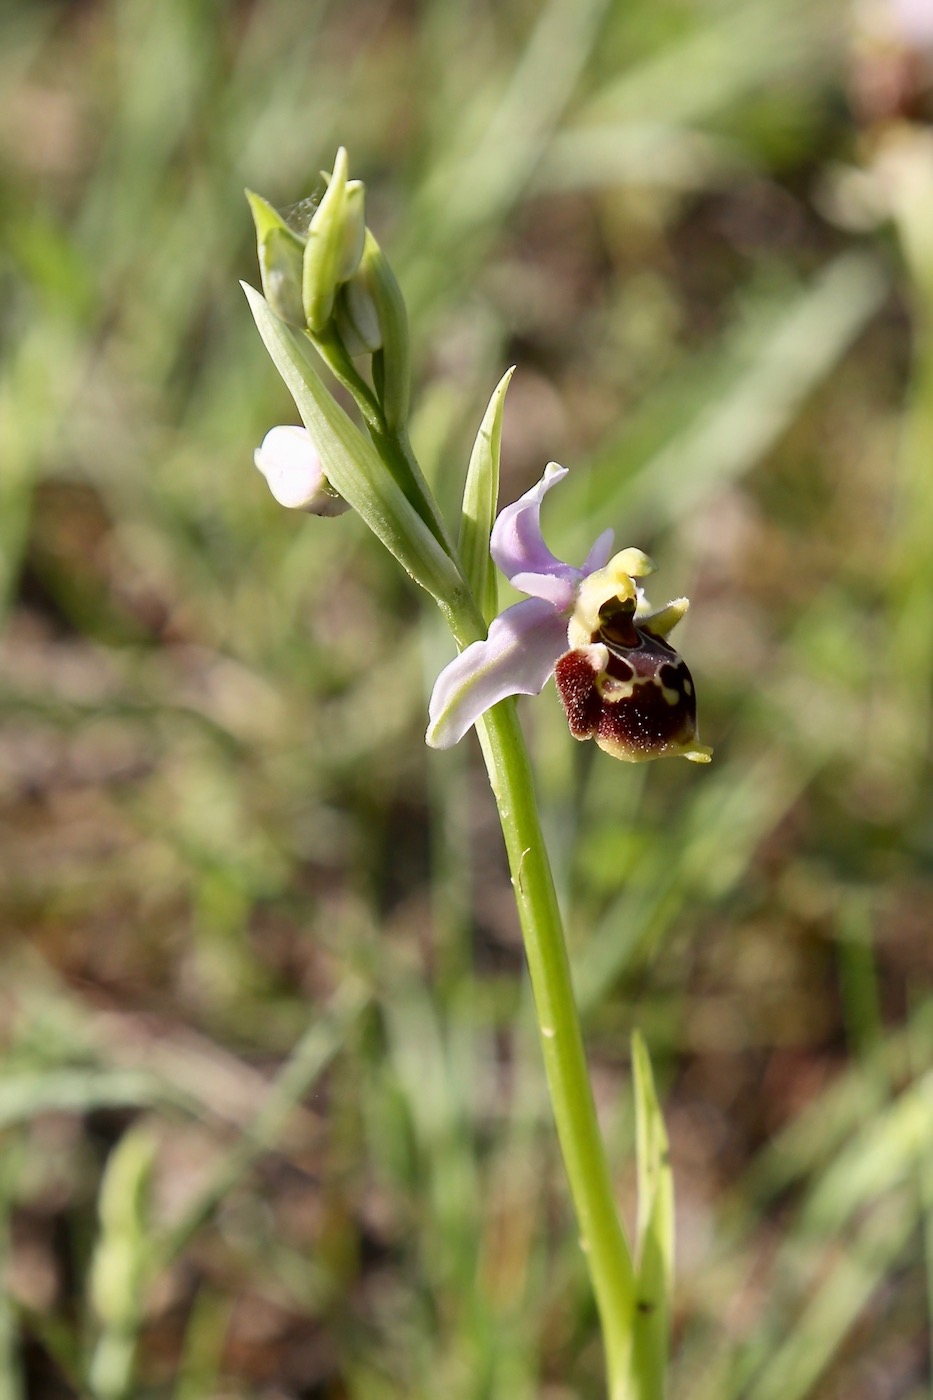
<point x="352" y="464"/>
<point x="392" y="362"/>
<point x="281" y="253"/>
<point x="480" y="496"/>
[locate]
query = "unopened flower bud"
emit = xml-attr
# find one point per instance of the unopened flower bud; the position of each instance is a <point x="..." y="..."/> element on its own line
<point x="356" y="315"/>
<point x="392" y="361"/>
<point x="289" y="461"/>
<point x="353" y="230"/>
<point x="281" y="253"/>
<point x="335" y="244"/>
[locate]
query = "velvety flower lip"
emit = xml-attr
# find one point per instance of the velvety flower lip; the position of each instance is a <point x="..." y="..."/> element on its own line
<point x="525" y="641"/>
<point x="290" y="463"/>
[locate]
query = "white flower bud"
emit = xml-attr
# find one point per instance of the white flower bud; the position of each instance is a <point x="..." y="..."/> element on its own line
<point x="289" y="461"/>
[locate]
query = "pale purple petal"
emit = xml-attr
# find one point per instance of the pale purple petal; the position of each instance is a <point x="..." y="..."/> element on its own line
<point x="516" y="544"/>
<point x="601" y="553"/>
<point x="559" y="592"/>
<point x="516" y="658"/>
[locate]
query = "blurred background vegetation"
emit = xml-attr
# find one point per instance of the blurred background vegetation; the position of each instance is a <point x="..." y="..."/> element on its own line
<point x="273" y="1118"/>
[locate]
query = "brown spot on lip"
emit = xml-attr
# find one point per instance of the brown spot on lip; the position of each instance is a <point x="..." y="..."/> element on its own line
<point x="618" y="668"/>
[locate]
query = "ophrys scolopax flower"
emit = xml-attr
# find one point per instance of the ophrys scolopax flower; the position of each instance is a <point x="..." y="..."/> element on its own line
<point x="619" y="679"/>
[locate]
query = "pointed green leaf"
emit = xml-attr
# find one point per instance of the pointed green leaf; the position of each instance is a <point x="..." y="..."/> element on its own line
<point x="281" y="252"/>
<point x="351" y="463"/>
<point x="480" y="495"/>
<point x="655" y="1237"/>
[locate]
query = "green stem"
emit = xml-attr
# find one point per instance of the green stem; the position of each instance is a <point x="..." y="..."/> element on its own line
<point x="601" y="1236"/>
<point x="393" y="446"/>
<point x="396" y="451"/>
<point x="330" y="348"/>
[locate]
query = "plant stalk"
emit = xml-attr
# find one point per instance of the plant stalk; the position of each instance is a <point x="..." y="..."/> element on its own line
<point x="601" y="1235"/>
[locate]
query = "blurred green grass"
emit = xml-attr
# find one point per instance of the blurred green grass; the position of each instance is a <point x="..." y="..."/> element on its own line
<point x="245" y="914"/>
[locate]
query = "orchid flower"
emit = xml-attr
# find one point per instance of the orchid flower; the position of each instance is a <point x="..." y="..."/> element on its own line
<point x="290" y="463"/>
<point x="619" y="679"/>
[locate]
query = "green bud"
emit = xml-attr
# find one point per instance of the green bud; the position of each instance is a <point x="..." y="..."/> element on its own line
<point x="335" y="244"/>
<point x="391" y="363"/>
<point x="281" y="252"/>
<point x="356" y="315"/>
<point x="354" y="228"/>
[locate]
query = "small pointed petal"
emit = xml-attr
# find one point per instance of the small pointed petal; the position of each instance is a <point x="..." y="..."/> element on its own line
<point x="599" y="555"/>
<point x="516" y="658"/>
<point x="516" y="543"/>
<point x="665" y="619"/>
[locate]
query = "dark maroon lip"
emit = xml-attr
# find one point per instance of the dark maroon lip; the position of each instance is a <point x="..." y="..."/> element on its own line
<point x="657" y="717"/>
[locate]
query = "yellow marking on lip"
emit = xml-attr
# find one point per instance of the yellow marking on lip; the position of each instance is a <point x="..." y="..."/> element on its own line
<point x="614" y="690"/>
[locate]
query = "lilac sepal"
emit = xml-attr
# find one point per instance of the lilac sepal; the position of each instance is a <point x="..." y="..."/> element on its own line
<point x="516" y="658"/>
<point x="560" y="590"/>
<point x="600" y="554"/>
<point x="516" y="544"/>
